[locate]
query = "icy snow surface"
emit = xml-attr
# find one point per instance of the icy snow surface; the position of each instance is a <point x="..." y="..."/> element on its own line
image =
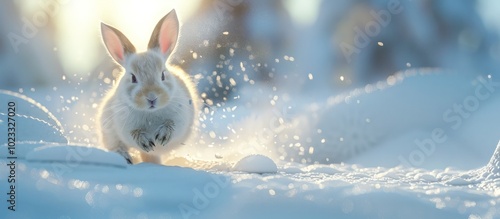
<point x="59" y="180"/>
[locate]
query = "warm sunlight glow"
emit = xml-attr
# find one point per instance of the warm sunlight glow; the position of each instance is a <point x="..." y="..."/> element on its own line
<point x="303" y="12"/>
<point x="79" y="43"/>
<point x="137" y="19"/>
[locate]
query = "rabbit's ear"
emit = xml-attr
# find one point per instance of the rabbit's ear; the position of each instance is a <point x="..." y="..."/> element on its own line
<point x="117" y="44"/>
<point x="165" y="34"/>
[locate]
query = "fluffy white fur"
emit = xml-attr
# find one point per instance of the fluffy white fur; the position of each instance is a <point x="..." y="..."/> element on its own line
<point x="153" y="106"/>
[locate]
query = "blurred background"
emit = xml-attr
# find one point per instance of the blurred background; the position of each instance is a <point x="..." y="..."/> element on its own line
<point x="234" y="47"/>
<point x="344" y="43"/>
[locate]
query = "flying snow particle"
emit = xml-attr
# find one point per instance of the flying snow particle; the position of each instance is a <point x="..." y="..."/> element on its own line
<point x="44" y="174"/>
<point x="311" y="150"/>
<point x="107" y="80"/>
<point x="232" y="82"/>
<point x="212" y="134"/>
<point x="391" y="80"/>
<point x="242" y="66"/>
<point x="138" y="192"/>
<point x="272" y="192"/>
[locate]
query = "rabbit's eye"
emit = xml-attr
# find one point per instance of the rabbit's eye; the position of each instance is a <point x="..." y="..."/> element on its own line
<point x="134" y="79"/>
<point x="163" y="75"/>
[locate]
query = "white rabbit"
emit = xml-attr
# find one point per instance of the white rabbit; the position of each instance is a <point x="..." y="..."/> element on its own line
<point x="153" y="106"/>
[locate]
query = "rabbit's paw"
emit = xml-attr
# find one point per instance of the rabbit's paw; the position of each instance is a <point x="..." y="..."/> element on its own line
<point x="125" y="155"/>
<point x="142" y="140"/>
<point x="164" y="132"/>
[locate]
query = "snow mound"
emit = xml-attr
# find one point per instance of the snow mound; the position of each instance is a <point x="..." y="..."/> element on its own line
<point x="21" y="150"/>
<point x="493" y="167"/>
<point x="256" y="163"/>
<point x="32" y="121"/>
<point x="330" y="191"/>
<point x="76" y="155"/>
<point x="486" y="177"/>
<point x="492" y="170"/>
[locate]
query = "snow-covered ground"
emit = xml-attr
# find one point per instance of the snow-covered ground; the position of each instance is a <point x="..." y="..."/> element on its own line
<point x="58" y="178"/>
<point x="78" y="190"/>
<point x="289" y="129"/>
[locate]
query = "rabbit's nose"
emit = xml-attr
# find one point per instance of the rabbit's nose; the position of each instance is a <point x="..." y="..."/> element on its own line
<point x="152" y="101"/>
<point x="151" y="98"/>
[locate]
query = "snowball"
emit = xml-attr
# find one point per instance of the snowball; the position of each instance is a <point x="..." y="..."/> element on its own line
<point x="256" y="164"/>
